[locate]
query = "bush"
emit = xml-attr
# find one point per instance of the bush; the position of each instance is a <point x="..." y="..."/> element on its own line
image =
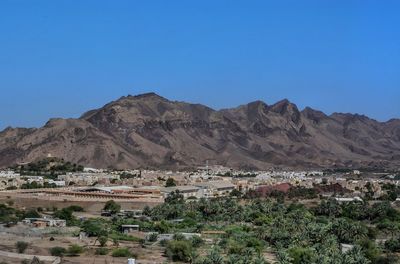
<point x="75" y="250"/>
<point x="31" y="214"/>
<point x="163" y="242"/>
<point x="153" y="237"/>
<point x="179" y="236"/>
<point x="58" y="251"/>
<point x="125" y="237"/>
<point x="101" y="251"/>
<point x="103" y="241"/>
<point x="112" y="207"/>
<point x="197" y="241"/>
<point x="393" y="245"/>
<point x="95" y="227"/>
<point x="21" y="246"/>
<point x="301" y="255"/>
<point x="170" y="182"/>
<point x="76" y="208"/>
<point x="122" y="252"/>
<point x="179" y="250"/>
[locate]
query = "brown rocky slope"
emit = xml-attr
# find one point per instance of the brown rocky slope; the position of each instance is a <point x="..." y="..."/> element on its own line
<point x="150" y="131"/>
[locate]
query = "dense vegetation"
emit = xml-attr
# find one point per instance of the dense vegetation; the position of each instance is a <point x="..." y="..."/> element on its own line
<point x="48" y="167"/>
<point x="248" y="229"/>
<point x="10" y="215"/>
<point x="296" y="233"/>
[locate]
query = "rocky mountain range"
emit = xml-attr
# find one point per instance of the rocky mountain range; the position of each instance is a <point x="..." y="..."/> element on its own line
<point x="150" y="131"/>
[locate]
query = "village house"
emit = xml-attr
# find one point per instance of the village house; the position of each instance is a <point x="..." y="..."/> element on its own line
<point x="215" y="188"/>
<point x="44" y="222"/>
<point x="186" y="191"/>
<point x="126" y="229"/>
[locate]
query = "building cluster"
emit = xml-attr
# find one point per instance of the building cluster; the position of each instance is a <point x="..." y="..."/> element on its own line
<point x="9" y="179"/>
<point x="44" y="222"/>
<point x="88" y="178"/>
<point x="150" y="185"/>
<point x="12" y="180"/>
<point x="208" y="189"/>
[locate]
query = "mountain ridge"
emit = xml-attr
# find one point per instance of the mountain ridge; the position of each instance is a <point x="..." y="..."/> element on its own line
<point x="148" y="130"/>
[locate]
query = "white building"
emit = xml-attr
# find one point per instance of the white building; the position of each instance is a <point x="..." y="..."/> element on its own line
<point x="215" y="188"/>
<point x="186" y="191"/>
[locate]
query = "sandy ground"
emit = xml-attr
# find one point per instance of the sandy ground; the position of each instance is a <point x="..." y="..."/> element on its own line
<point x="88" y="206"/>
<point x="40" y="245"/>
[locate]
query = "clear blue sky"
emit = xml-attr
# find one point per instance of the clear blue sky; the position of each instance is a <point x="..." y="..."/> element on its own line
<point x="61" y="58"/>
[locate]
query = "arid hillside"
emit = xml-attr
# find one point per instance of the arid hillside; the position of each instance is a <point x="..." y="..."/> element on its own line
<point x="150" y="131"/>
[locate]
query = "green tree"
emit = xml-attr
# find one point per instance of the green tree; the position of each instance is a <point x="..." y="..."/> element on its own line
<point x="236" y="193"/>
<point x="329" y="208"/>
<point x="112" y="207"/>
<point x="67" y="215"/>
<point x="393" y="245"/>
<point x="96" y="227"/>
<point x="355" y="256"/>
<point x="170" y="182"/>
<point x="300" y="255"/>
<point x="369" y="249"/>
<point x="102" y="240"/>
<point x="179" y="250"/>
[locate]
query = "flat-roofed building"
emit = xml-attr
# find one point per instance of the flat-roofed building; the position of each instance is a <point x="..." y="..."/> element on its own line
<point x="126" y="229"/>
<point x="215" y="188"/>
<point x="348" y="199"/>
<point x="186" y="190"/>
<point x="44" y="222"/>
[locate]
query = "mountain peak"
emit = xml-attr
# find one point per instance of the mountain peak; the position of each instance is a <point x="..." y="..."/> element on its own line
<point x="313" y="114"/>
<point x="283" y="106"/>
<point x="146" y="95"/>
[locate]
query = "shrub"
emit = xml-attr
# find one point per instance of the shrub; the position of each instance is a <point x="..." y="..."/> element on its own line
<point x="57" y="251"/>
<point x="103" y="241"/>
<point x="153" y="237"/>
<point x="95" y="227"/>
<point x="112" y="207"/>
<point x="393" y="245"/>
<point x="75" y="250"/>
<point x="179" y="236"/>
<point x="179" y="250"/>
<point x="163" y="242"/>
<point x="170" y="182"/>
<point x="122" y="252"/>
<point x="196" y="241"/>
<point x="21" y="246"/>
<point x="76" y="208"/>
<point x="101" y="251"/>
<point x="31" y="214"/>
<point x="301" y="255"/>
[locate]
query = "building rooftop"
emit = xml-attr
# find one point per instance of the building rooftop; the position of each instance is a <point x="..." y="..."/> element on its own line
<point x="108" y="189"/>
<point x="215" y="184"/>
<point x="183" y="188"/>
